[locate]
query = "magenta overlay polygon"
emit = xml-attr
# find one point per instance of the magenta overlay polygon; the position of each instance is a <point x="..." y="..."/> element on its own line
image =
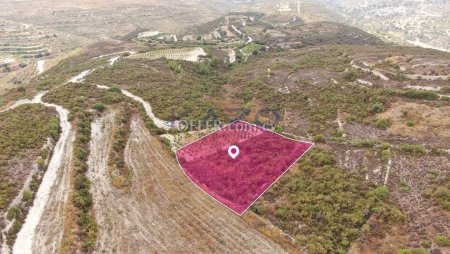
<point x="264" y="156"/>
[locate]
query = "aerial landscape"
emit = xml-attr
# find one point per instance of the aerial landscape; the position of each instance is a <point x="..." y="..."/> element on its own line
<point x="225" y="126"/>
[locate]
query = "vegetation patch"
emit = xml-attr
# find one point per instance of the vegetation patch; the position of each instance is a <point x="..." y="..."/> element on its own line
<point x="82" y="197"/>
<point x="22" y="130"/>
<point x="442" y="240"/>
<point x="418" y="150"/>
<point x="177" y="90"/>
<point x="332" y="205"/>
<point x="439" y="191"/>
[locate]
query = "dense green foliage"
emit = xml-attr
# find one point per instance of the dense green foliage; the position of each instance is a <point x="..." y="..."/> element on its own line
<point x="82" y="198"/>
<point x="16" y="136"/>
<point x="22" y="130"/>
<point x="419" y="94"/>
<point x="175" y="89"/>
<point x="82" y="96"/>
<point x="332" y="204"/>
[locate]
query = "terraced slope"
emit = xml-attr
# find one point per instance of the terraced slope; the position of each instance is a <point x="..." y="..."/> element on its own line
<point x="163" y="212"/>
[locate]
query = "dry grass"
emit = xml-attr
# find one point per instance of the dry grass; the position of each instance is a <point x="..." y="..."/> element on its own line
<point x="426" y="120"/>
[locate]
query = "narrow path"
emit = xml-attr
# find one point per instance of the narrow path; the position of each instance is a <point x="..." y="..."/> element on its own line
<point x="148" y="108"/>
<point x="375" y="73"/>
<point x="40" y="66"/>
<point x="80" y="77"/>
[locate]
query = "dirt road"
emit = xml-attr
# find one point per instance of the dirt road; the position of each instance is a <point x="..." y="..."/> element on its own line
<point x="164" y="212"/>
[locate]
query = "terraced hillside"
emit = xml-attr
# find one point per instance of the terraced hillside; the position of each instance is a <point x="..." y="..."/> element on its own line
<point x="376" y="180"/>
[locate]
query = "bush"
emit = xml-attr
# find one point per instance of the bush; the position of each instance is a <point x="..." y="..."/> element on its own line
<point x="99" y="107"/>
<point x="380" y="192"/>
<point x="54" y="128"/>
<point x="382" y="124"/>
<point x="13" y="212"/>
<point x="442" y="241"/>
<point x="28" y="196"/>
<point x="319" y="138"/>
<point x="174" y="66"/>
<point x="349" y="75"/>
<point x="203" y="68"/>
<point x="319" y="158"/>
<point x="41" y="163"/>
<point x="404" y="186"/>
<point x="419" y="94"/>
<point x="385" y="155"/>
<point x="412" y="149"/>
<point x="258" y="209"/>
<point x="377" y="107"/>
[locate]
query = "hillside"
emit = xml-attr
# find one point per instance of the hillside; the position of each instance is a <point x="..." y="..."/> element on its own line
<point x="376" y="181"/>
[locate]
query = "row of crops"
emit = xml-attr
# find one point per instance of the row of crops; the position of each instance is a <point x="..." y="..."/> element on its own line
<point x="186" y="54"/>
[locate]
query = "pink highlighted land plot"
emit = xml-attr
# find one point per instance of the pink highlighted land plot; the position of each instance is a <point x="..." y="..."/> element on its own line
<point x="264" y="156"/>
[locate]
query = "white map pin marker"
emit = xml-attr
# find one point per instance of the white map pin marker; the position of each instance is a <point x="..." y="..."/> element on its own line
<point x="233" y="151"/>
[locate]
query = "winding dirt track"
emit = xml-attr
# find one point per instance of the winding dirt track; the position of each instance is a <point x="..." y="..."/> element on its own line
<point x="164" y="212"/>
<point x="50" y="229"/>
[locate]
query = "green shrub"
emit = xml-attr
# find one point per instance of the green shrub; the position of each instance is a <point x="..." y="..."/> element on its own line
<point x="377" y="107"/>
<point x="258" y="209"/>
<point x="13" y="212"/>
<point x="349" y="75"/>
<point x="278" y="129"/>
<point x="28" y="196"/>
<point x="321" y="158"/>
<point x="54" y="128"/>
<point x="41" y="163"/>
<point x="419" y="94"/>
<point x="99" y="107"/>
<point x="380" y="192"/>
<point x="386" y="155"/>
<point x="443" y="241"/>
<point x="404" y="186"/>
<point x="203" y="68"/>
<point x="412" y="149"/>
<point x="283" y="213"/>
<point x="365" y="143"/>
<point x="382" y="124"/>
<point x="350" y="118"/>
<point x="319" y="138"/>
<point x="442" y="196"/>
<point x="174" y="66"/>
